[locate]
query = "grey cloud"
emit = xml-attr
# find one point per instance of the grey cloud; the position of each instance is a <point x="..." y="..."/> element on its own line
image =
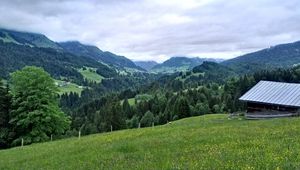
<point x="156" y="28"/>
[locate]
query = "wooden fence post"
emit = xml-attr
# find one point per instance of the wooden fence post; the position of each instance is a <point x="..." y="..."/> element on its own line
<point x="139" y="124"/>
<point x="79" y="134"/>
<point x="51" y="138"/>
<point x="22" y="142"/>
<point x="111" y="128"/>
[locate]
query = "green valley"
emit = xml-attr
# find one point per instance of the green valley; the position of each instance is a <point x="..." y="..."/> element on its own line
<point x="150" y="85"/>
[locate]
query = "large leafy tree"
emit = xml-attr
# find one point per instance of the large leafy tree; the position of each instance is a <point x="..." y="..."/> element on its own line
<point x="35" y="114"/>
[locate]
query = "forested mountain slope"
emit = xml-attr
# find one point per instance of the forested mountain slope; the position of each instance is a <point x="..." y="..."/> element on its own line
<point x="279" y="56"/>
<point x="57" y="63"/>
<point x="18" y="49"/>
<point x="94" y="52"/>
<point x="28" y="39"/>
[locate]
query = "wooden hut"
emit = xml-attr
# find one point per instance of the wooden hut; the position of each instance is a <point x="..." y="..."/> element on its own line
<point x="269" y="99"/>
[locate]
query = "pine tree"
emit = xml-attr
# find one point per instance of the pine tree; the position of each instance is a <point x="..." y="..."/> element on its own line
<point x="5" y="105"/>
<point x="116" y="115"/>
<point x="127" y="108"/>
<point x="182" y="108"/>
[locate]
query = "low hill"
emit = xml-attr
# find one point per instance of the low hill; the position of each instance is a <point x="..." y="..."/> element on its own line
<point x="279" y="56"/>
<point x="94" y="52"/>
<point x="147" y="65"/>
<point x="177" y="64"/>
<point x="205" y="142"/>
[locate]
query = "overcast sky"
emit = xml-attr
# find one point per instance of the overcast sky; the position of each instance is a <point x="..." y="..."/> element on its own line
<point x="159" y="29"/>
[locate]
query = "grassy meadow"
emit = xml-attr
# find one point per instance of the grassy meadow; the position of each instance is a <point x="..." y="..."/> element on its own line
<point x="204" y="142"/>
<point x="90" y="74"/>
<point x="131" y="101"/>
<point x="68" y="87"/>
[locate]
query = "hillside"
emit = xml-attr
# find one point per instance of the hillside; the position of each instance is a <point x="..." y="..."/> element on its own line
<point x="177" y="64"/>
<point x="28" y="39"/>
<point x="19" y="49"/>
<point x="279" y="56"/>
<point x="73" y="47"/>
<point x="58" y="64"/>
<point x="147" y="65"/>
<point x="207" y="72"/>
<point x="210" y="72"/>
<point x="204" y="142"/>
<point x="94" y="52"/>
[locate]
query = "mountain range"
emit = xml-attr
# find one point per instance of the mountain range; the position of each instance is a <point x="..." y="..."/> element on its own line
<point x="63" y="61"/>
<point x="73" y="47"/>
<point x="18" y="49"/>
<point x="177" y="64"/>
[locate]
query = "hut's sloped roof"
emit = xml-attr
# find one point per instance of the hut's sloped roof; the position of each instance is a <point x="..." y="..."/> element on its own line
<point x="287" y="94"/>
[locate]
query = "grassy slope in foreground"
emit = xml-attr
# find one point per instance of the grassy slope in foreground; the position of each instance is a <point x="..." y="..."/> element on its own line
<point x="205" y="142"/>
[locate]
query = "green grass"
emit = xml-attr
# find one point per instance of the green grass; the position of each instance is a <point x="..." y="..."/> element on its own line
<point x="90" y="74"/>
<point x="131" y="101"/>
<point x="70" y="87"/>
<point x="205" y="142"/>
<point x="139" y="97"/>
